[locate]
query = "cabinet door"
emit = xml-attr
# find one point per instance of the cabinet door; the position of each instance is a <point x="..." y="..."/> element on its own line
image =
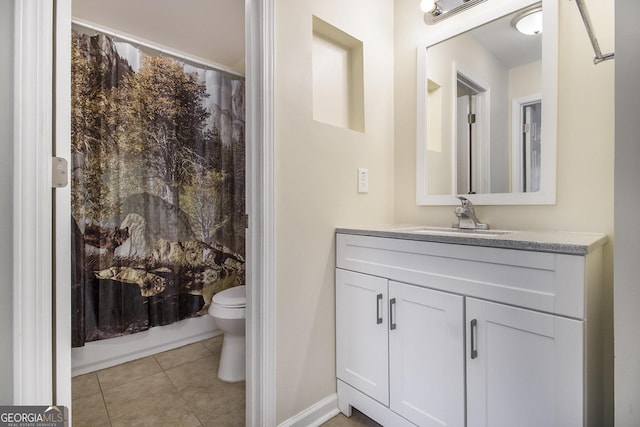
<point x="362" y="357"/>
<point x="426" y="355"/>
<point x="524" y="368"/>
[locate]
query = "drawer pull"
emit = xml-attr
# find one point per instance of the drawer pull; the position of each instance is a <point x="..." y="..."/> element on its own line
<point x="392" y="323"/>
<point x="379" y="308"/>
<point x="474" y="338"/>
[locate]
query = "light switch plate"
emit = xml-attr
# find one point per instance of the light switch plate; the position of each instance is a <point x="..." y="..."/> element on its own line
<point x="363" y="180"/>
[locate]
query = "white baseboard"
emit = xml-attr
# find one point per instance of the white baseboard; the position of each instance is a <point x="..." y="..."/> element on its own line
<point x="315" y="415"/>
<point x="103" y="354"/>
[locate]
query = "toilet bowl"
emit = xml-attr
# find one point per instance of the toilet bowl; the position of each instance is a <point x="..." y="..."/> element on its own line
<point x="228" y="308"/>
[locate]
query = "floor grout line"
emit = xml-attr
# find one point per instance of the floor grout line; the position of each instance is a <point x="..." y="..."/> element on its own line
<point x="104" y="400"/>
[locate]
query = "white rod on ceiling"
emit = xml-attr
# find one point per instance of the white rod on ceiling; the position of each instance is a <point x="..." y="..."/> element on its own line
<point x="148" y="45"/>
<point x="594" y="42"/>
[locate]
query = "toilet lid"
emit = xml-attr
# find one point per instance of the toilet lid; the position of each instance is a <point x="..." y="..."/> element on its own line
<point x="232" y="297"/>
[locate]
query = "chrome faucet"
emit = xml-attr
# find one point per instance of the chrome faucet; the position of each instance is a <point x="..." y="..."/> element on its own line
<point x="467" y="218"/>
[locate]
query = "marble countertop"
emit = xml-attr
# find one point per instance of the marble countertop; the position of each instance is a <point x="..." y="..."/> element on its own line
<point x="572" y="243"/>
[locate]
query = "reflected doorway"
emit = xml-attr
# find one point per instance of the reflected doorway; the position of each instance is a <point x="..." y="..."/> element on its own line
<point x="526" y="144"/>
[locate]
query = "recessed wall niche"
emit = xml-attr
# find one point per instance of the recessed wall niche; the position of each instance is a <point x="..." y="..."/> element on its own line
<point x="338" y="83"/>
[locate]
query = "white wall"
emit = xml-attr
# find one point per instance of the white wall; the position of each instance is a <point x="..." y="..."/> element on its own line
<point x="316" y="168"/>
<point x="6" y="201"/>
<point x="627" y="207"/>
<point x="585" y="140"/>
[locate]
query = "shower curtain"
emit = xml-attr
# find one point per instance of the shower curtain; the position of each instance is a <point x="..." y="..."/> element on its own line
<point x="158" y="188"/>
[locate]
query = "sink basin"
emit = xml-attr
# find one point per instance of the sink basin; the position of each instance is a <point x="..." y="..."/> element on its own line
<point x="453" y="231"/>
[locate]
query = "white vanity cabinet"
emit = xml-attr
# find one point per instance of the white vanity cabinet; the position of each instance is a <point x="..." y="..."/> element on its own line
<point x="402" y="346"/>
<point x="524" y="368"/>
<point x="361" y="312"/>
<point x="439" y="334"/>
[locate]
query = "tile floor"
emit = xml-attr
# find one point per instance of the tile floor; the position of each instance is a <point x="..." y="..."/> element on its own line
<point x="357" y="419"/>
<point x="177" y="388"/>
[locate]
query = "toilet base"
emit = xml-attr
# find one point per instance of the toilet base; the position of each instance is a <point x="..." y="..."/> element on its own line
<point x="232" y="359"/>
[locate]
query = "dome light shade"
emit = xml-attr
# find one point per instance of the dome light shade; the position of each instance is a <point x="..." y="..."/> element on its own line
<point x="529" y="23"/>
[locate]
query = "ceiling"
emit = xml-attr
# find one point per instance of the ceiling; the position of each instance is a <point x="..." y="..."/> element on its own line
<point x="507" y="44"/>
<point x="208" y="29"/>
<point x="214" y="29"/>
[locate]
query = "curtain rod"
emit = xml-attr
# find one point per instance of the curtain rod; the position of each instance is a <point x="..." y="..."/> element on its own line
<point x="594" y="42"/>
<point x="139" y="43"/>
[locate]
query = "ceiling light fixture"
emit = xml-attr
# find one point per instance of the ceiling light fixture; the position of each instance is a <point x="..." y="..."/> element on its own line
<point x="428" y="6"/>
<point x="434" y="12"/>
<point x="529" y="22"/>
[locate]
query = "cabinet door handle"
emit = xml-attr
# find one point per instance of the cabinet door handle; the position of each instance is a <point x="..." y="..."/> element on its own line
<point x="392" y="323"/>
<point x="379" y="308"/>
<point x="474" y="338"/>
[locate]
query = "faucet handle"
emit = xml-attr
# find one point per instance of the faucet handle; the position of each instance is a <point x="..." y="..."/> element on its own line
<point x="466" y="203"/>
<point x="466" y="215"/>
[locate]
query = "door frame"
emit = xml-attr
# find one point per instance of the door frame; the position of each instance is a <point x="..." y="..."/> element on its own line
<point x="33" y="357"/>
<point x="261" y="243"/>
<point x="517" y="169"/>
<point x="42" y="354"/>
<point x="482" y="138"/>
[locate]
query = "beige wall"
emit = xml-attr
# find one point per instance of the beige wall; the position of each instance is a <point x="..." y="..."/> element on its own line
<point x="525" y="80"/>
<point x="585" y="138"/>
<point x="316" y="168"/>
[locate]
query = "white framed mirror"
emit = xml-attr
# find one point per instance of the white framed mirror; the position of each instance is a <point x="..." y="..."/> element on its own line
<point x="487" y="108"/>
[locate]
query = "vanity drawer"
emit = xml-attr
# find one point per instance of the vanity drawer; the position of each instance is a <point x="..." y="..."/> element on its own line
<point x="548" y="282"/>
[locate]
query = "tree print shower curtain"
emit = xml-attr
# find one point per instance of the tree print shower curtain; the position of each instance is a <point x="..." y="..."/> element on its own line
<point x="158" y="188"/>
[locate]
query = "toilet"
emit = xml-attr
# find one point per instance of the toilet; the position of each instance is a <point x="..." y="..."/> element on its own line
<point x="228" y="308"/>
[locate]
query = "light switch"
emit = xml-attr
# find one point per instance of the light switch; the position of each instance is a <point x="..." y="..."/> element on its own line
<point x="363" y="180"/>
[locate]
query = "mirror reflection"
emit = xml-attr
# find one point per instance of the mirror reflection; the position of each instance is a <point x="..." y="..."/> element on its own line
<point x="484" y="109"/>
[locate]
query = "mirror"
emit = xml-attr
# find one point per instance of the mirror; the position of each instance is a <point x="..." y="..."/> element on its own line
<point x="487" y="110"/>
